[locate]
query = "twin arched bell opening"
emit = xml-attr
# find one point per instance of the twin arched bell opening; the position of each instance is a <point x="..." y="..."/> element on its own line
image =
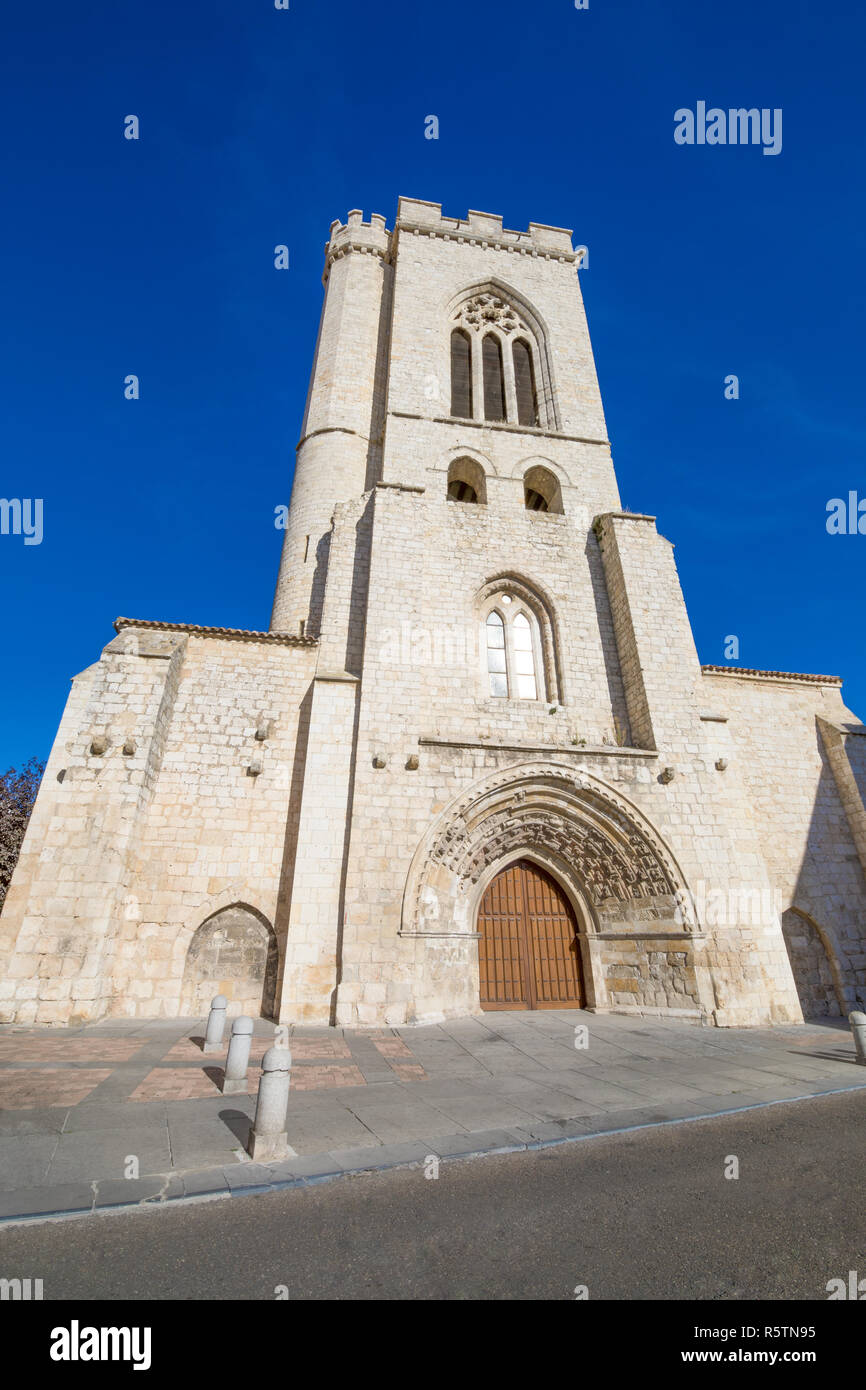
<point x="467" y="483"/>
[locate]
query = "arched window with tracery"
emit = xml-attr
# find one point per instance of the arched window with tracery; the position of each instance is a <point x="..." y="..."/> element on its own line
<point x="501" y="368"/>
<point x="513" y="651"/>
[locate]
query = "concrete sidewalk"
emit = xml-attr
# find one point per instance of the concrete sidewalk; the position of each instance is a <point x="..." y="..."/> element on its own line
<point x="78" y="1105"/>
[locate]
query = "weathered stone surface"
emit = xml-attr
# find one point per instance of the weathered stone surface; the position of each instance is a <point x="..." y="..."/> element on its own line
<point x="305" y="820"/>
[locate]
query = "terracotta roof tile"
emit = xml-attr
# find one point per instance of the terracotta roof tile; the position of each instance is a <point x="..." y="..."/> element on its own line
<point x="770" y="675"/>
<point x="237" y="634"/>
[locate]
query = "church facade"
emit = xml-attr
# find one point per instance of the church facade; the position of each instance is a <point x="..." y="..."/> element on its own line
<point x="475" y="763"/>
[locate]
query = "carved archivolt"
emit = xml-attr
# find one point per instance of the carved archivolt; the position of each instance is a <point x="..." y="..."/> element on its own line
<point x="613" y="852"/>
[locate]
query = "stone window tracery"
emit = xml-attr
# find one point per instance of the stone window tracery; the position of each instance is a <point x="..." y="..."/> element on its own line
<point x="500" y="368"/>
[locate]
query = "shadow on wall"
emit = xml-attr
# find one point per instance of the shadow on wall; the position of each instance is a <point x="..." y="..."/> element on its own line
<point x="612" y="668"/>
<point x="825" y="928"/>
<point x="233" y="953"/>
<point x="317" y="590"/>
<point x="290" y="844"/>
<point x="357" y="625"/>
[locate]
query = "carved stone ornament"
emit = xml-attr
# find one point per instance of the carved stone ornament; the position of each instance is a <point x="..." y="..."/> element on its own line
<point x="488" y="311"/>
<point x="576" y="819"/>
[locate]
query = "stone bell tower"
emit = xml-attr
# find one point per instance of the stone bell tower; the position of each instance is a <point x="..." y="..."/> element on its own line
<point x="506" y="671"/>
<point x="475" y="763"/>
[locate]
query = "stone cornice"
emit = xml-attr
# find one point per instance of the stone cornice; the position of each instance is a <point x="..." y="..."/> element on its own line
<point x="519" y="243"/>
<point x="353" y="244"/>
<point x="573" y="750"/>
<point x="531" y="430"/>
<point x="332" y="429"/>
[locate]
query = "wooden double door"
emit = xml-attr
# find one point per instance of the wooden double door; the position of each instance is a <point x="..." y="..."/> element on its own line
<point x="528" y="950"/>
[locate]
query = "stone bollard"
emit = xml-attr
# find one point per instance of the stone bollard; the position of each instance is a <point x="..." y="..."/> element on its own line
<point x="858" y="1028"/>
<point x="235" y="1079"/>
<point x="268" y="1137"/>
<point x="216" y="1022"/>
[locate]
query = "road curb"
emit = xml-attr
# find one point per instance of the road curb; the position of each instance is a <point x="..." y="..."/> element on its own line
<point x="215" y="1184"/>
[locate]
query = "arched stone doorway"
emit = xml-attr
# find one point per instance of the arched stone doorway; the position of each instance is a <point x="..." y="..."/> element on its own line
<point x="234" y="953"/>
<point x="635" y="913"/>
<point x="810" y="966"/>
<point x="528" y="948"/>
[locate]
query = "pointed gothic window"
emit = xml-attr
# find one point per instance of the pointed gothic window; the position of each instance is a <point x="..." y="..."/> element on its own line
<point x="461" y="375"/>
<point x="496" y="671"/>
<point x="494" y="388"/>
<point x="524" y="383"/>
<point x="513" y="652"/>
<point x="501" y="367"/>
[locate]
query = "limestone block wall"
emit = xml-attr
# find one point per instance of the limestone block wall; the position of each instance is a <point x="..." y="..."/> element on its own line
<point x="214" y="834"/>
<point x="59" y="922"/>
<point x="424" y="651"/>
<point x="312" y="945"/>
<point x="651" y="977"/>
<point x="784" y="737"/>
<point x="139" y="844"/>
<point x="654" y="639"/>
<point x="427" y="731"/>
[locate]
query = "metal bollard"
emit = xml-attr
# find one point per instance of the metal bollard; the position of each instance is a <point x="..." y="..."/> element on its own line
<point x="268" y="1137"/>
<point x="858" y="1028"/>
<point x="216" y="1022"/>
<point x="238" y="1059"/>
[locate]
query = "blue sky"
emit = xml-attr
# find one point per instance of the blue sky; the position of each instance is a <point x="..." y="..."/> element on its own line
<point x="260" y="127"/>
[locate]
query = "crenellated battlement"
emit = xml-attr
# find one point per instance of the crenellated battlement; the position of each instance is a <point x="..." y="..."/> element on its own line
<point x="422" y="218"/>
<point x="484" y="229"/>
<point x="370" y="238"/>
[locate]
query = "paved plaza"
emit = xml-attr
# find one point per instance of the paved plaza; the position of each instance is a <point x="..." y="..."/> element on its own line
<point x="127" y="1111"/>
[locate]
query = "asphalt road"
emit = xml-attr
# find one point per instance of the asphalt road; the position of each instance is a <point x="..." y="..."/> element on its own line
<point x="648" y="1215"/>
